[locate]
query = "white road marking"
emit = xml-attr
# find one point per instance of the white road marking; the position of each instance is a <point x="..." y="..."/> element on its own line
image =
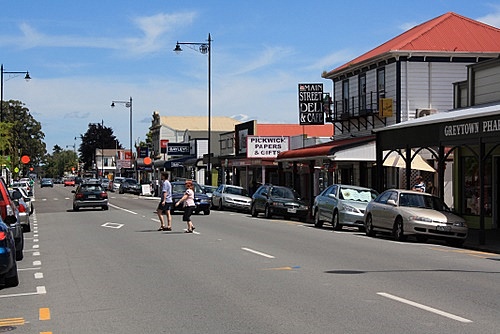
<point x="38" y="275"/>
<point x="37" y="263"/>
<point x="257" y="252"/>
<point x="424" y="307"/>
<point x="112" y="225"/>
<point x="117" y="207"/>
<point x="40" y="290"/>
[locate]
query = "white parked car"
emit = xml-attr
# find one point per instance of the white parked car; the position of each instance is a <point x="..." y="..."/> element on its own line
<point x="406" y="212"/>
<point x="231" y="197"/>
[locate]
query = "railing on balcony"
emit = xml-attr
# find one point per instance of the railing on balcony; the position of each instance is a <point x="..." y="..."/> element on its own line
<point x="356" y="111"/>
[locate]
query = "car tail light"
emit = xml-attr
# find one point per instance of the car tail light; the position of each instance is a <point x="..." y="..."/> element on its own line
<point x="79" y="196"/>
<point x="3" y="235"/>
<point x="104" y="194"/>
<point x="21" y="208"/>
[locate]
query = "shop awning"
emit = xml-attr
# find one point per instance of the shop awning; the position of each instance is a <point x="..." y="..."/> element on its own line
<point x="180" y="162"/>
<point x="418" y="163"/>
<point x="327" y="150"/>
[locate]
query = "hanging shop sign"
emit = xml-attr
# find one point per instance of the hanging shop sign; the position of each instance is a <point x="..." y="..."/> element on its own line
<point x="311" y="104"/>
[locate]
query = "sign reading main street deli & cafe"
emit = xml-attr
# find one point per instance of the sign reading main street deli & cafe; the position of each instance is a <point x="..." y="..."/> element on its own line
<point x="311" y="104"/>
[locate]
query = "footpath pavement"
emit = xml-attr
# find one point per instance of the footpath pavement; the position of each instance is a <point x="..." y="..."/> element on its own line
<point x="491" y="241"/>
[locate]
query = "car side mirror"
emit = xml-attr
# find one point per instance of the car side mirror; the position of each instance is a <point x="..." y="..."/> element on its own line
<point x="391" y="202"/>
<point x="73" y="191"/>
<point x="265" y="194"/>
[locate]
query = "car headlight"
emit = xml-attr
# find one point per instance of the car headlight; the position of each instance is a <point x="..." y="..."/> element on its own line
<point x="303" y="207"/>
<point x="421" y="219"/>
<point x="277" y="204"/>
<point x="349" y="208"/>
<point x="460" y="224"/>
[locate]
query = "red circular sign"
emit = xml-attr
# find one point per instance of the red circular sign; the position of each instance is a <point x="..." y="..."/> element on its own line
<point x="25" y="159"/>
<point x="147" y="161"/>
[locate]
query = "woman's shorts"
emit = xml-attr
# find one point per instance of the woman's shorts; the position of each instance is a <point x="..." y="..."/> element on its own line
<point x="188" y="211"/>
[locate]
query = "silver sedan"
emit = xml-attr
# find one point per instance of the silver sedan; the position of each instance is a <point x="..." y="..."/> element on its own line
<point x="406" y="212"/>
<point x="231" y="197"/>
<point x="342" y="205"/>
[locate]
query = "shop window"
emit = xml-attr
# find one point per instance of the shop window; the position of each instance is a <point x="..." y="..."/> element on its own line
<point x="471" y="184"/>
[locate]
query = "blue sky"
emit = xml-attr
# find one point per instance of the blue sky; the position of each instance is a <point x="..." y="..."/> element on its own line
<point x="82" y="55"/>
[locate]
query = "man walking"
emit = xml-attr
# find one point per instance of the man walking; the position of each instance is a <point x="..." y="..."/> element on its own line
<point x="165" y="203"/>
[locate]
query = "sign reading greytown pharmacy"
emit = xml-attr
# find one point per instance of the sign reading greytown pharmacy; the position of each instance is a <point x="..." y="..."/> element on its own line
<point x="473" y="128"/>
<point x="266" y="147"/>
<point x="311" y="104"/>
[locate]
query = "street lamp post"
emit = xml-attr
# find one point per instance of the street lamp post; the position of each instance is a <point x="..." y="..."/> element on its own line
<point x="128" y="104"/>
<point x="26" y="77"/>
<point x="204" y="48"/>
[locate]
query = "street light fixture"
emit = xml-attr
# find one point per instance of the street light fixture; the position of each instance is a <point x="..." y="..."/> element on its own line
<point x="204" y="48"/>
<point x="128" y="104"/>
<point x="26" y="77"/>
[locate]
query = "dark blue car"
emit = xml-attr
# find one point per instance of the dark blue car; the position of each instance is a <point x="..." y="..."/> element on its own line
<point x="201" y="200"/>
<point x="8" y="265"/>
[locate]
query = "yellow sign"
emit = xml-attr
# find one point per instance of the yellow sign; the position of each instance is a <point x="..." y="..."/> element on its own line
<point x="385" y="107"/>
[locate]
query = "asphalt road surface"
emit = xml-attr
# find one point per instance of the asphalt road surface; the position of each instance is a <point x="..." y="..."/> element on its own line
<point x="96" y="271"/>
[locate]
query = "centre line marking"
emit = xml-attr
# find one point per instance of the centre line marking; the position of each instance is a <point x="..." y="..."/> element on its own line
<point x="257" y="252"/>
<point x="117" y="207"/>
<point x="423" y="307"/>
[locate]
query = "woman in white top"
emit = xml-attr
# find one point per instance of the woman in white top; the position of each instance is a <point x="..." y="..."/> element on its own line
<point x="189" y="206"/>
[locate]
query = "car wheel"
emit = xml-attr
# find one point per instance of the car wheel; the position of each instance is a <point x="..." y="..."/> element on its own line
<point x="253" y="211"/>
<point x="75" y="208"/>
<point x="19" y="253"/>
<point x="267" y="212"/>
<point x="105" y="207"/>
<point x="369" y="226"/>
<point x="220" y="207"/>
<point x="317" y="222"/>
<point x="397" y="231"/>
<point x="27" y="228"/>
<point x="206" y="212"/>
<point x="336" y="221"/>
<point x="13" y="280"/>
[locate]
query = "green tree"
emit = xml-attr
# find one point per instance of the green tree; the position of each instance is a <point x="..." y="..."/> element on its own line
<point x="61" y="162"/>
<point x="24" y="136"/>
<point x="97" y="136"/>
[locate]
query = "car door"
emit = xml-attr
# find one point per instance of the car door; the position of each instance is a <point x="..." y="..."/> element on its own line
<point x="326" y="203"/>
<point x="389" y="210"/>
<point x="217" y="195"/>
<point x="260" y="198"/>
<point x="379" y="208"/>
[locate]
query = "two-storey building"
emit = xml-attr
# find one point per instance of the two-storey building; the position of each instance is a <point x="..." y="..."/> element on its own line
<point x="408" y="77"/>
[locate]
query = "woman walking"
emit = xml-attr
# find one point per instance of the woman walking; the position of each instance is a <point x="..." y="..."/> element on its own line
<point x="188" y="200"/>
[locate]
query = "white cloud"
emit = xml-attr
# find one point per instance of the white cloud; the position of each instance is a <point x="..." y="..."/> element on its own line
<point x="492" y="19"/>
<point x="270" y="56"/>
<point x="152" y="30"/>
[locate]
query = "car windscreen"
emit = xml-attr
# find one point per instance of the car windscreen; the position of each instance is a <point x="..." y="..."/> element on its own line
<point x="284" y="193"/>
<point x="90" y="188"/>
<point x="236" y="191"/>
<point x="358" y="195"/>
<point x="422" y="201"/>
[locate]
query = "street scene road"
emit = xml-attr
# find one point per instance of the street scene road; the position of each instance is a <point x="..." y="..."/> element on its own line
<point x="95" y="271"/>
